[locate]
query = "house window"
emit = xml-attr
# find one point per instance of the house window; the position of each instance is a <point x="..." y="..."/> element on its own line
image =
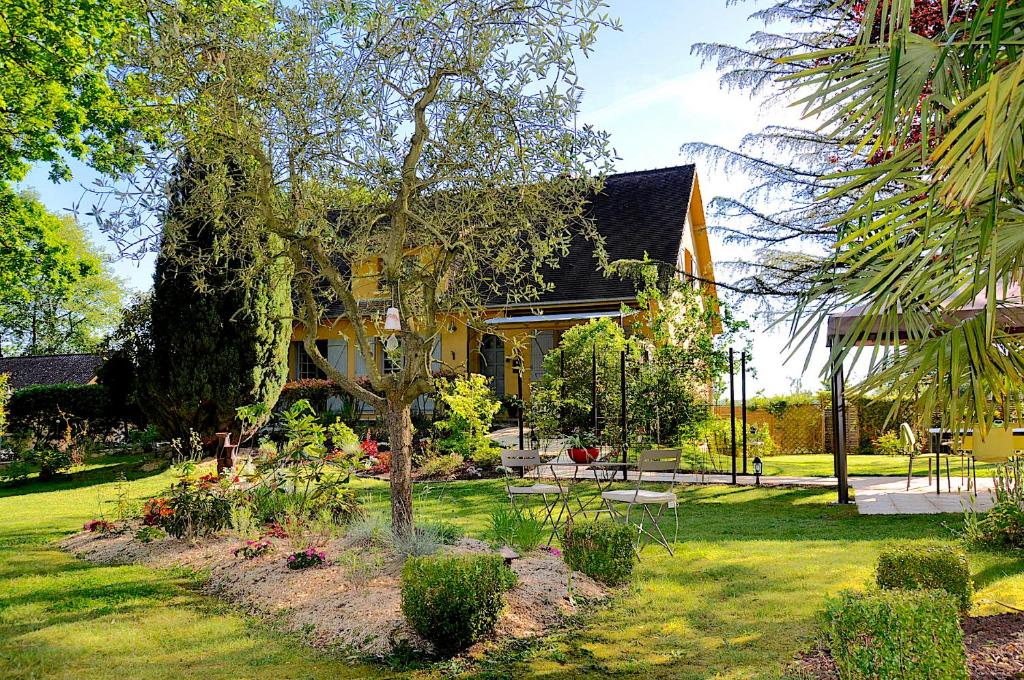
<point x="304" y="366"/>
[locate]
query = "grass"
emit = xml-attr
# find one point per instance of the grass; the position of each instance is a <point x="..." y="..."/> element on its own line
<point x="820" y="465"/>
<point x="740" y="597"/>
<point x="738" y="600"/>
<point x="64" y="618"/>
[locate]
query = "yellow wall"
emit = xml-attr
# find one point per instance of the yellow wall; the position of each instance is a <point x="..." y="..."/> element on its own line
<point x="454" y="345"/>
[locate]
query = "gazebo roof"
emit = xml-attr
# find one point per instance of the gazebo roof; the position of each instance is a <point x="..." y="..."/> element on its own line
<point x="1009" y="313"/>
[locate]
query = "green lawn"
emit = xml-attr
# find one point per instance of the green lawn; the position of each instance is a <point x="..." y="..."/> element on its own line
<point x="63" y="618"/>
<point x="820" y="465"/>
<point x="738" y="600"/>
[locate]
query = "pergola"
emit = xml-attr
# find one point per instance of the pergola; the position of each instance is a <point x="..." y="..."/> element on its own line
<point x="857" y="321"/>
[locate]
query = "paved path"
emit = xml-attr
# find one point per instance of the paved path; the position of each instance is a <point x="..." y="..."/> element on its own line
<point x="889" y="496"/>
<point x="873" y="495"/>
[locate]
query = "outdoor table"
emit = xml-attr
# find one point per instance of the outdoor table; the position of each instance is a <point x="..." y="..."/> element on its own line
<point x="603" y="482"/>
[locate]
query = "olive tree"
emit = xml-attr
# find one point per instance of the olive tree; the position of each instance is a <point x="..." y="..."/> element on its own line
<point x="418" y="155"/>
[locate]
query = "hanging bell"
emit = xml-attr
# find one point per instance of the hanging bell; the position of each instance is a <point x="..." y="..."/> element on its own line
<point x="392" y="321"/>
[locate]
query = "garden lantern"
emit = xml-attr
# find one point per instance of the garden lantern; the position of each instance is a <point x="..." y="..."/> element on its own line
<point x="393" y="324"/>
<point x="758" y="468"/>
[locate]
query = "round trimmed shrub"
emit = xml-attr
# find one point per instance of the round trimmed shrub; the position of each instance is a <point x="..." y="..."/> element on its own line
<point x="916" y="566"/>
<point x="602" y="550"/>
<point x="895" y="634"/>
<point x="454" y="600"/>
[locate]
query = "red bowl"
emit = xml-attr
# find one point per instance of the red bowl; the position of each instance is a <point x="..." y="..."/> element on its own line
<point x="584" y="456"/>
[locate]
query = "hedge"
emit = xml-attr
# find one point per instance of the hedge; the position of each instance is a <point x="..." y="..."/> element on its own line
<point x="42" y="409"/>
<point x="913" y="566"/>
<point x="895" y="634"/>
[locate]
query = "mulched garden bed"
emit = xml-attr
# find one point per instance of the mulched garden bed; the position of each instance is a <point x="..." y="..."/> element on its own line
<point x="995" y="650"/>
<point x="353" y="601"/>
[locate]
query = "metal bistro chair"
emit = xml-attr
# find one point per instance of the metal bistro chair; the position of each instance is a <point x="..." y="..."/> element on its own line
<point x="524" y="459"/>
<point x="908" y="443"/>
<point x="664" y="460"/>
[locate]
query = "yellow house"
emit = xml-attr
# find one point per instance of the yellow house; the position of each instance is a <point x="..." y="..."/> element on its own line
<point x="654" y="212"/>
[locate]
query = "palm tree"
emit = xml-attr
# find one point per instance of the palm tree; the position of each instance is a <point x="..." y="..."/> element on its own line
<point x="932" y="94"/>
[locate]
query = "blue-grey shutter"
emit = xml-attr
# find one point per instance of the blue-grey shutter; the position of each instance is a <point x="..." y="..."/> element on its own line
<point x="337" y="356"/>
<point x="542" y="343"/>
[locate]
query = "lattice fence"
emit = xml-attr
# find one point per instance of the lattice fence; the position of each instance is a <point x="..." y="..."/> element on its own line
<point x="799" y="429"/>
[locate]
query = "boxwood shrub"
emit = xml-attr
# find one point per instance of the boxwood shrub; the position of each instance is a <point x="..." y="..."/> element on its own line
<point x="916" y="566"/>
<point x="895" y="634"/>
<point x="601" y="550"/>
<point x="454" y="600"/>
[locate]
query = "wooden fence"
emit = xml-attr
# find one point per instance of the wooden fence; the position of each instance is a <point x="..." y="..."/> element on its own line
<point x="801" y="428"/>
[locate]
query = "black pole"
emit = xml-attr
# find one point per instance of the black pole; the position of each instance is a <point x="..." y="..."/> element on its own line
<point x="593" y="386"/>
<point x="622" y="412"/>
<point x="732" y="410"/>
<point x="561" y="390"/>
<point x="743" y="403"/>
<point x="519" y="380"/>
<point x="839" y="430"/>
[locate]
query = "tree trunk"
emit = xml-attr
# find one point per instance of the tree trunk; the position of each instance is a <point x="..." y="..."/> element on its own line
<point x="398" y="418"/>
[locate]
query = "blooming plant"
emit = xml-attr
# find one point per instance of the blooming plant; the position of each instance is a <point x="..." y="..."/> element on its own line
<point x="155" y="511"/>
<point x="253" y="549"/>
<point x="369" y="446"/>
<point x="380" y="463"/>
<point x="199" y="507"/>
<point x="554" y="552"/>
<point x="275" y="530"/>
<point x="98" y="526"/>
<point x="208" y="480"/>
<point x="310" y="557"/>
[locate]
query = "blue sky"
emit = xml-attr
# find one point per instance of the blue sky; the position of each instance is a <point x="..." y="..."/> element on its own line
<point x="646" y="89"/>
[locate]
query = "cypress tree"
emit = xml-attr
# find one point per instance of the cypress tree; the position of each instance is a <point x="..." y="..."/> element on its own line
<point x="219" y="340"/>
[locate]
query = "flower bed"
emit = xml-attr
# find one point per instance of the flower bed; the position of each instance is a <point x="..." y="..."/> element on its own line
<point x="354" y="599"/>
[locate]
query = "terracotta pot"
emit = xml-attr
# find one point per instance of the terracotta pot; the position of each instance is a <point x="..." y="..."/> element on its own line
<point x="588" y="455"/>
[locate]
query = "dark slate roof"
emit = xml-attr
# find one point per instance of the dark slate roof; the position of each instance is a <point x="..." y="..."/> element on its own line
<point x="636" y="212"/>
<point x="50" y="369"/>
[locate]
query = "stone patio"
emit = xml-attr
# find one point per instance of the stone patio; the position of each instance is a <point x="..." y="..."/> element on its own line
<point x="873" y="495"/>
<point x="889" y="496"/>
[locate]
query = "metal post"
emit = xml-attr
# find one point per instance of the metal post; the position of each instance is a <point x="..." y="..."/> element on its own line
<point x="622" y="411"/>
<point x="561" y="390"/>
<point x="743" y="403"/>
<point x="732" y="410"/>
<point x="839" y="430"/>
<point x="519" y="380"/>
<point x="593" y="386"/>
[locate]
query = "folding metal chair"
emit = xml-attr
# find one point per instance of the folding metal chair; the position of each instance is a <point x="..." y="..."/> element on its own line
<point x="908" y="444"/>
<point x="525" y="459"/>
<point x="663" y="460"/>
